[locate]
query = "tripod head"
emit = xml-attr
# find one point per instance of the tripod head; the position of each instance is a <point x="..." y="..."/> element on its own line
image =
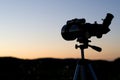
<point x="85" y="45"/>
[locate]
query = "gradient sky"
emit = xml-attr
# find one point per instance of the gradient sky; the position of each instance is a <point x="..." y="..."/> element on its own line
<point x="32" y="28"/>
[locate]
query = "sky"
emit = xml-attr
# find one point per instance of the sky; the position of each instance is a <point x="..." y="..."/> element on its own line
<point x="31" y="29"/>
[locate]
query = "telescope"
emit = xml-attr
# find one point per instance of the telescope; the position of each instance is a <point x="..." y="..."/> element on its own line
<point x="79" y="29"/>
<point x="82" y="31"/>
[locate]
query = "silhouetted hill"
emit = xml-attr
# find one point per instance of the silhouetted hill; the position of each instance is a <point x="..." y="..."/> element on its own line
<point x="54" y="69"/>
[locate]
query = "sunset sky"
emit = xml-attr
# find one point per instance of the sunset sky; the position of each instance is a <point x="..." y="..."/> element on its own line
<point x="31" y="29"/>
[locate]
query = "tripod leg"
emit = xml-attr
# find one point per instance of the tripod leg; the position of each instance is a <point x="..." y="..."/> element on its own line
<point x="76" y="72"/>
<point x="92" y="72"/>
<point x="82" y="72"/>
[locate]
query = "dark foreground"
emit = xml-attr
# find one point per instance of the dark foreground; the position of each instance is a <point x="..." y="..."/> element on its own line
<point x="54" y="69"/>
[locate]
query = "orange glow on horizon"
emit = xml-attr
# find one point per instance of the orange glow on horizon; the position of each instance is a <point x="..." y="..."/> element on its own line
<point x="71" y="53"/>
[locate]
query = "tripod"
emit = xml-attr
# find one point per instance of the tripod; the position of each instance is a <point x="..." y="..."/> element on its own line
<point x="81" y="63"/>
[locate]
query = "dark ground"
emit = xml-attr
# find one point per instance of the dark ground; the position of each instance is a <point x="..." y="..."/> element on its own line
<point x="54" y="69"/>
